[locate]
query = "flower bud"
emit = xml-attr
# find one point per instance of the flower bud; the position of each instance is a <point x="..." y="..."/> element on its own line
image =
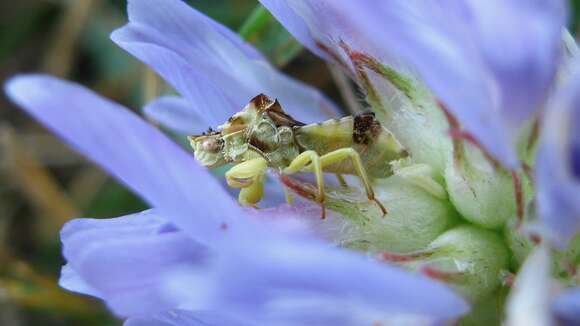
<point x="469" y="258"/>
<point x="519" y="243"/>
<point x="481" y="191"/>
<point x="406" y="106"/>
<point x="478" y="255"/>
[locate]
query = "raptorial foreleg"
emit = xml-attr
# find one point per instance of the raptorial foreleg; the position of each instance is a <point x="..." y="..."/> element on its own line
<point x="249" y="176"/>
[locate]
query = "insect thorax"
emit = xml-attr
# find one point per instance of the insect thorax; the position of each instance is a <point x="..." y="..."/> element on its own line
<point x="261" y="129"/>
<point x="275" y="143"/>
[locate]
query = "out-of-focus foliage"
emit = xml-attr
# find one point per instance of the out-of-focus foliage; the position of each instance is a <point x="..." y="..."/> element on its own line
<point x="42" y="182"/>
<point x="269" y="36"/>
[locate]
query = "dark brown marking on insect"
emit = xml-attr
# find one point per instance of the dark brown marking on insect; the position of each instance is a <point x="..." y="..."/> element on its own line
<point x="259" y="144"/>
<point x="365" y="128"/>
<point x="261" y="101"/>
<point x="281" y="118"/>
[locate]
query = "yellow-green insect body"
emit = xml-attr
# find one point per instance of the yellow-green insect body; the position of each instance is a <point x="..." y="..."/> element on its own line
<point x="263" y="136"/>
<point x="363" y="133"/>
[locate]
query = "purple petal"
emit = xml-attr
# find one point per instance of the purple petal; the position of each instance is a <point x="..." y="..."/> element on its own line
<point x="490" y="62"/>
<point x="183" y="26"/>
<point x="128" y="262"/>
<point x="180" y="317"/>
<point x="566" y="307"/>
<point x="558" y="181"/>
<point x="203" y="60"/>
<point x="295" y="21"/>
<point x="134" y="152"/>
<point x="76" y="233"/>
<point x="575" y="156"/>
<point x="124" y="260"/>
<point x="177" y="114"/>
<point x="320" y="26"/>
<point x="307" y="283"/>
<point x="301" y="220"/>
<point x="72" y="281"/>
<point x="529" y="299"/>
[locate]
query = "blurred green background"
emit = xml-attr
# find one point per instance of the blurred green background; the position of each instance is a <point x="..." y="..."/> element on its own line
<point x="42" y="182"/>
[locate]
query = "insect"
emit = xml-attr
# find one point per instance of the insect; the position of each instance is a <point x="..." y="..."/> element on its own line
<point x="263" y="136"/>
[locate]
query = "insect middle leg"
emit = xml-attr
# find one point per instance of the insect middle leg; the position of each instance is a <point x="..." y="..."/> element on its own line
<point x="310" y="158"/>
<point x="341" y="180"/>
<point x="345" y="153"/>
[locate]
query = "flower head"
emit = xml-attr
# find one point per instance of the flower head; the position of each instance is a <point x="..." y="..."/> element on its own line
<point x="452" y="82"/>
<point x="230" y="261"/>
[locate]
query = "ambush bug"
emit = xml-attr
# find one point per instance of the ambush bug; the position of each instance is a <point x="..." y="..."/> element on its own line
<point x="263" y="136"/>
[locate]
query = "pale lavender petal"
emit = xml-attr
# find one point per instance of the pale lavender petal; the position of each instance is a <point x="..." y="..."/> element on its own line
<point x="301" y="219"/>
<point x="297" y="25"/>
<point x="558" y="180"/>
<point x="128" y="272"/>
<point x="566" y="307"/>
<point x="183" y="26"/>
<point x="177" y="114"/>
<point x="194" y="54"/>
<point x="134" y="152"/>
<point x="529" y="299"/>
<point x="524" y="59"/>
<point x="144" y="269"/>
<point x="490" y="62"/>
<point x="77" y="233"/>
<point x="72" y="281"/>
<point x="304" y="282"/>
<point x="180" y="317"/>
<point x="124" y="260"/>
<point x="322" y="25"/>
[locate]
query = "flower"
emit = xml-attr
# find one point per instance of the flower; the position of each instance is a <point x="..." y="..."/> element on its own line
<point x="453" y="82"/>
<point x="242" y="269"/>
<point x="129" y="261"/>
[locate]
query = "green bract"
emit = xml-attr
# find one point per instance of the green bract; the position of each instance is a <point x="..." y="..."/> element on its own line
<point x="481" y="192"/>
<point x="407" y="108"/>
<point x="478" y="256"/>
<point x="415" y="216"/>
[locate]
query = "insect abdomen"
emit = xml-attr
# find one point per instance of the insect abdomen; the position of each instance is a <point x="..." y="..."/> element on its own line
<point x="375" y="144"/>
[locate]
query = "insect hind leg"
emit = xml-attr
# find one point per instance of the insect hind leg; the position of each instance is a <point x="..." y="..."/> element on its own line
<point x="312" y="160"/>
<point x="345" y="153"/>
